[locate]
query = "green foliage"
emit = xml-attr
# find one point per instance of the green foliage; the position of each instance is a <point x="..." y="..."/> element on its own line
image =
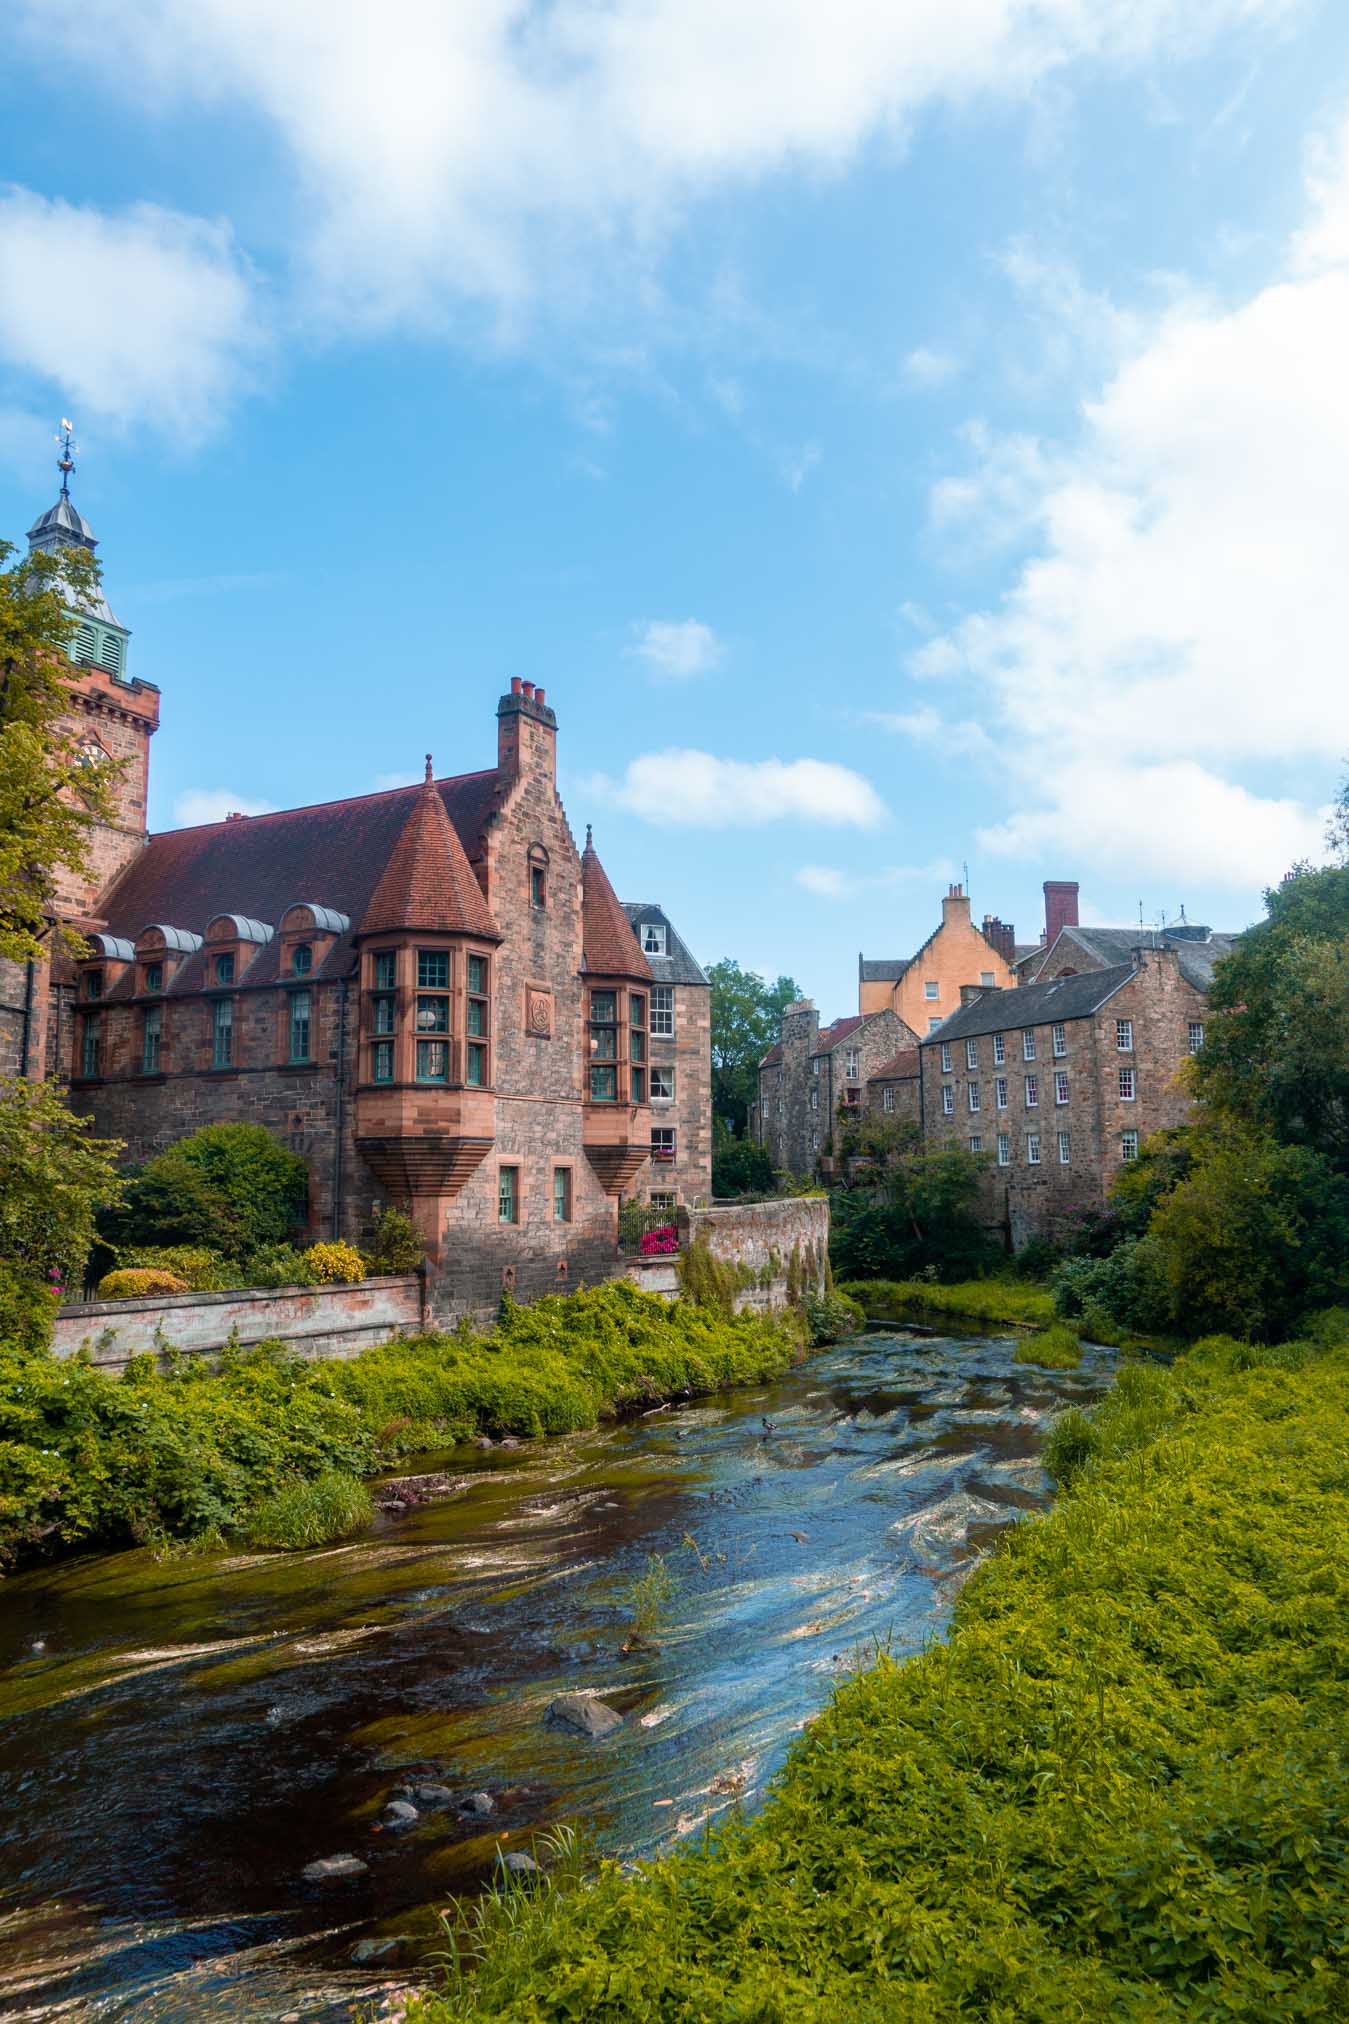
<point x="134" y="1282"/>
<point x="230" y="1188"/>
<point x="311" y="1512"/>
<point x="1052" y="1348"/>
<point x="739" y="1165"/>
<point x="746" y="1019"/>
<point x="200" y="1270"/>
<point x="336" y="1264"/>
<point x="709" y="1280"/>
<point x="650" y="1597"/>
<point x="393" y="1243"/>
<point x="53" y="1176"/>
<point x="987" y="1300"/>
<point x="831" y="1316"/>
<point x="921" y="1210"/>
<point x="874" y="1136"/>
<point x="274" y="1265"/>
<point x="1118" y="1791"/>
<point x="189" y="1453"/>
<point x="49" y="792"/>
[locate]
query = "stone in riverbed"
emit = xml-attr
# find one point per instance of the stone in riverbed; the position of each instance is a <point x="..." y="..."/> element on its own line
<point x="366" y="1951"/>
<point x="400" y="1813"/>
<point x="430" y="1797"/>
<point x="334" y="1868"/>
<point x="480" y="1803"/>
<point x="519" y="1864"/>
<point x="587" y="1714"/>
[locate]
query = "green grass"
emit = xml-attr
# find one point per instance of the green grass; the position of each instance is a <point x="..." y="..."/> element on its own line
<point x="194" y="1453"/>
<point x="1054" y="1348"/>
<point x="1117" y="1792"/>
<point x="984" y="1300"/>
<point x="311" y="1513"/>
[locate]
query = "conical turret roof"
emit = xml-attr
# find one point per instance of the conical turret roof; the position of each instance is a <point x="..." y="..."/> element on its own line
<point x="428" y="883"/>
<point x="610" y="947"/>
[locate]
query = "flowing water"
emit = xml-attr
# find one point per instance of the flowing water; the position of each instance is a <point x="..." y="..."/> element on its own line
<point x="179" y="1739"/>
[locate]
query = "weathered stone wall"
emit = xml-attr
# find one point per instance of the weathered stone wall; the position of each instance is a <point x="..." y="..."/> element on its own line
<point x="318" y="1322"/>
<point x="764" y="1236"/>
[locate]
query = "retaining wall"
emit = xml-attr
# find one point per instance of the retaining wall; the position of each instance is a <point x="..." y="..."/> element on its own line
<point x="314" y="1321"/>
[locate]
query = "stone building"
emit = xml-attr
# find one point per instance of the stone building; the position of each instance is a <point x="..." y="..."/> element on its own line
<point x="1076" y="950"/>
<point x="809" y="1075"/>
<point x="430" y="994"/>
<point x="923" y="989"/>
<point x="894" y="1090"/>
<point x="681" y="1062"/>
<point x="1060" y="1082"/>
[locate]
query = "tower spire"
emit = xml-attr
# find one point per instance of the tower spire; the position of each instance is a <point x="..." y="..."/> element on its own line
<point x="65" y="463"/>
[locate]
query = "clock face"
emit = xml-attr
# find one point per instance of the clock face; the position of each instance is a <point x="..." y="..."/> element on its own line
<point x="89" y="753"/>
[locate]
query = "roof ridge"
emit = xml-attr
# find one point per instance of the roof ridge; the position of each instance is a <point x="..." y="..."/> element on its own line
<point x="609" y="947"/>
<point x="320" y="807"/>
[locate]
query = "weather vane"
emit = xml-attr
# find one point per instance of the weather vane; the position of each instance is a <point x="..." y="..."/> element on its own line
<point x="65" y="463"/>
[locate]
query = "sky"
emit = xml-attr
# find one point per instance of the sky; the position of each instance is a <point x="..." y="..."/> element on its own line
<point x="909" y="439"/>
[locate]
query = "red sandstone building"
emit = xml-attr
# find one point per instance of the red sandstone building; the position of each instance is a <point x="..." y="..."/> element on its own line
<point x="429" y="993"/>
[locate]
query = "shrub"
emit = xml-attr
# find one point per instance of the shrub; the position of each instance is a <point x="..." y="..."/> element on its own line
<point x="393" y="1243"/>
<point x="275" y="1265"/>
<point x="299" y="1514"/>
<point x="200" y="1270"/>
<point x="1054" y="1348"/>
<point x="232" y="1188"/>
<point x="333" y="1264"/>
<point x="53" y="1177"/>
<point x="831" y="1316"/>
<point x="134" y="1282"/>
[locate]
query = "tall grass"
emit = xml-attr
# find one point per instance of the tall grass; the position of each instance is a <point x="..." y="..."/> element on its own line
<point x="1055" y="1348"/>
<point x="299" y="1514"/>
<point x="1117" y="1792"/>
<point x="987" y="1300"/>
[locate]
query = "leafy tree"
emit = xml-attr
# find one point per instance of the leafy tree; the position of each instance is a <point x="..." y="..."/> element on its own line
<point x="53" y="1178"/>
<point x="230" y="1187"/>
<point x="746" y="1017"/>
<point x="49" y="792"/>
<point x="739" y="1166"/>
<point x="921" y="1213"/>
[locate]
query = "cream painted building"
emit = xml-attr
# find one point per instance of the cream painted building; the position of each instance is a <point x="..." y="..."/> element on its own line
<point x="924" y="989"/>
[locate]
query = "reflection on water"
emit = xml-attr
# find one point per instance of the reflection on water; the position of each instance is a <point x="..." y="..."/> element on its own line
<point x="193" y="1733"/>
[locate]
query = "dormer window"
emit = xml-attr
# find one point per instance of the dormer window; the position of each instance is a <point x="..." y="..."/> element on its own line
<point x="655" y="937"/>
<point x="154" y="977"/>
<point x="93" y="983"/>
<point x="224" y="969"/>
<point x="302" y="959"/>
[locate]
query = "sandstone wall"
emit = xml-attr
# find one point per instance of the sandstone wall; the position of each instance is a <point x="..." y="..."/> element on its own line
<point x="317" y="1322"/>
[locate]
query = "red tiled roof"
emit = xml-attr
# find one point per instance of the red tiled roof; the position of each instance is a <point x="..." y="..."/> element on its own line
<point x="610" y="947"/>
<point x="773" y="1056"/>
<point x="427" y="882"/>
<point x="840" y="1030"/>
<point x="334" y="853"/>
<point x="899" y="1067"/>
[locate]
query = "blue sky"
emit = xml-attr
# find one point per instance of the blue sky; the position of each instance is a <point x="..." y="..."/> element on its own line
<point x="900" y="437"/>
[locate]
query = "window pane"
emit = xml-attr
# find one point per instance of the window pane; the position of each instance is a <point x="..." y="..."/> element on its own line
<point x="477" y="1065"/>
<point x="663" y="1084"/>
<point x="637" y="1046"/>
<point x="604" y="1008"/>
<point x="386" y="970"/>
<point x="433" y="969"/>
<point x="604" y="1043"/>
<point x="477" y="973"/>
<point x="223" y="1017"/>
<point x="662" y="1010"/>
<point x="604" y="1085"/>
<point x="433" y="1015"/>
<point x="89" y="1048"/>
<point x="561" y="1195"/>
<point x="507" y="1195"/>
<point x="637" y="1085"/>
<point x="302" y="961"/>
<point x="150" y="1033"/>
<point x="537" y="886"/>
<point x="384" y="1021"/>
<point x="477" y="1016"/>
<point x="299" y="1026"/>
<point x="154" y="976"/>
<point x="636" y="1010"/>
<point x="224" y="969"/>
<point x="433" y="1061"/>
<point x="383" y="1063"/>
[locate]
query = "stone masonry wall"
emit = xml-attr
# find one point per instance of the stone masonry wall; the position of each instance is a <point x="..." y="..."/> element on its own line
<point x="318" y="1322"/>
<point x="765" y="1234"/>
<point x="689" y="1053"/>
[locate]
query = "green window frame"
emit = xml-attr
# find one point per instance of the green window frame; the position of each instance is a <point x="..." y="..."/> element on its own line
<point x="91" y="1047"/>
<point x="603" y="1085"/>
<point x="508" y="1194"/>
<point x="222" y="1033"/>
<point x="381" y="1065"/>
<point x="224" y="969"/>
<point x="300" y="1026"/>
<point x="562" y="1194"/>
<point x="475" y="1074"/>
<point x="433" y="969"/>
<point x="152" y="1031"/>
<point x="154" y="976"/>
<point x="386" y="969"/>
<point x="302" y="959"/>
<point x="433" y="1061"/>
<point x="93" y="983"/>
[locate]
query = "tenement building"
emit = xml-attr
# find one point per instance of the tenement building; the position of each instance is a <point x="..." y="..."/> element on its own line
<point x="1059" y="1083"/>
<point x="809" y="1078"/>
<point x="925" y="988"/>
<point x="430" y="993"/>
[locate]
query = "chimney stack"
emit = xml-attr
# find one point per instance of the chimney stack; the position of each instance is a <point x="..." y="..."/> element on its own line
<point x="1060" y="907"/>
<point x="1002" y="936"/>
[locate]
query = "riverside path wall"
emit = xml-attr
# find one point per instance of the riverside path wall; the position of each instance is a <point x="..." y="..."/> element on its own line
<point x="313" y="1321"/>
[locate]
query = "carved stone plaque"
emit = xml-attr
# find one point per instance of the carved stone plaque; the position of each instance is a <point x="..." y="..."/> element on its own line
<point x="539" y="1013"/>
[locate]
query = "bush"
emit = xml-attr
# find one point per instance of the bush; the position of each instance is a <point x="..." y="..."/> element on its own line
<point x="231" y="1188"/>
<point x="831" y="1316"/>
<point x="275" y="1265"/>
<point x="739" y="1166"/>
<point x="921" y="1212"/>
<point x="299" y="1514"/>
<point x="53" y="1176"/>
<point x="333" y="1264"/>
<point x="1055" y="1348"/>
<point x="1118" y="1791"/>
<point x="393" y="1243"/>
<point x="200" y="1270"/>
<point x="135" y="1282"/>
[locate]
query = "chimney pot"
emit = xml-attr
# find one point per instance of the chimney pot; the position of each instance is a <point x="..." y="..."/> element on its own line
<point x="528" y="688"/>
<point x="515" y="685"/>
<point x="538" y="695"/>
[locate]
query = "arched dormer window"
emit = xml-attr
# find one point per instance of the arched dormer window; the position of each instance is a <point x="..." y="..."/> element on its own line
<point x="538" y="877"/>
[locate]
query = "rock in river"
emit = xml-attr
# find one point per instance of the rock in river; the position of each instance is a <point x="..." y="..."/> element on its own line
<point x="587" y="1714"/>
<point x="332" y="1868"/>
<point x="480" y="1803"/>
<point x="400" y="1813"/>
<point x="431" y="1797"/>
<point x="519" y="1864"/>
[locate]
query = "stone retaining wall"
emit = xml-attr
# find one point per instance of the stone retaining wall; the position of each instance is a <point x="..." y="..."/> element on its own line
<point x="761" y="1235"/>
<point x="314" y="1321"/>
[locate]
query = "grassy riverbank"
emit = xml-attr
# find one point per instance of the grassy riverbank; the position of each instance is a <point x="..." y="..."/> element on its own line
<point x="1117" y="1791"/>
<point x="199" y="1455"/>
<point x="1013" y="1301"/>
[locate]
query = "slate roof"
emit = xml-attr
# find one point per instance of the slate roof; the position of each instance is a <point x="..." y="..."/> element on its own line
<point x="679" y="966"/>
<point x="334" y="853"/>
<point x="427" y="883"/>
<point x="883" y="969"/>
<point x="1198" y="948"/>
<point x="898" y="1068"/>
<point x="1063" y="998"/>
<point x="609" y="946"/>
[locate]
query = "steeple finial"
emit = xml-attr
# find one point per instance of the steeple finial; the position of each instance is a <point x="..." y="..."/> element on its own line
<point x="65" y="463"/>
<point x="429" y="775"/>
<point x="590" y="841"/>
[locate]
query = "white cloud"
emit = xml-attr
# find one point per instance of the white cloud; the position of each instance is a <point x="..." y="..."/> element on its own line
<point x="212" y="804"/>
<point x="828" y="883"/>
<point x="697" y="790"/>
<point x="678" y="648"/>
<point x="926" y="367"/>
<point x="823" y="881"/>
<point x="957" y="738"/>
<point x="138" y="316"/>
<point x="1180" y="624"/>
<point x="513" y="152"/>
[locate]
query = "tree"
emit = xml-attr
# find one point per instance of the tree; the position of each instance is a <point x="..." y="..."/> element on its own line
<point x="230" y="1187"/>
<point x="922" y="1212"/>
<point x="739" y="1166"/>
<point x="50" y="792"/>
<point x="746" y="1018"/>
<point x="53" y="1179"/>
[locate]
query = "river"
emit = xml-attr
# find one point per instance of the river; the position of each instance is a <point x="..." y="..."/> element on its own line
<point x="178" y="1739"/>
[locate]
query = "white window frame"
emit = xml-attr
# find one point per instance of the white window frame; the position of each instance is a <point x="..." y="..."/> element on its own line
<point x="664" y="1072"/>
<point x="931" y="987"/>
<point x="664" y="1145"/>
<point x="814" y="1099"/>
<point x="974" y="1097"/>
<point x="852" y="1066"/>
<point x="986" y="980"/>
<point x="946" y="1057"/>
<point x="934" y="1023"/>
<point x="814" y="1064"/>
<point x="1004" y="1149"/>
<point x="971" y="1054"/>
<point x="662" y="1009"/>
<point x="1065" y="1149"/>
<point x="1027" y="1044"/>
<point x="1124" y="1036"/>
<point x="1060" y="1085"/>
<point x="1000" y="1091"/>
<point x="1032" y="1092"/>
<point x="655" y="938"/>
<point x="1194" y="1034"/>
<point x="887" y="1099"/>
<point x="948" y="1100"/>
<point x="976" y="1142"/>
<point x="1058" y="1041"/>
<point x="999" y="1048"/>
<point x="1128" y="1146"/>
<point x="1032" y="1148"/>
<point x="1128" y="1085"/>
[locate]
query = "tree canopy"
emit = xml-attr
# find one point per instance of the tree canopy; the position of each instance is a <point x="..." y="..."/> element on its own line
<point x="746" y="1015"/>
<point x="49" y="791"/>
